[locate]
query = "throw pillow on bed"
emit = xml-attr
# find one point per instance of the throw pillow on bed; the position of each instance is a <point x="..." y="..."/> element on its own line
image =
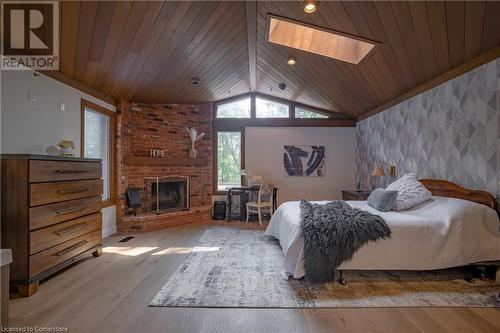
<point x="411" y="192"/>
<point x="382" y="200"/>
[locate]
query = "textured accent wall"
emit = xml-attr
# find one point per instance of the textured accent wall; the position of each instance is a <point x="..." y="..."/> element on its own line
<point x="450" y="132"/>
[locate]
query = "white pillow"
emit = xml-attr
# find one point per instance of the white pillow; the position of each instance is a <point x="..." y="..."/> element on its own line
<point x="411" y="192"/>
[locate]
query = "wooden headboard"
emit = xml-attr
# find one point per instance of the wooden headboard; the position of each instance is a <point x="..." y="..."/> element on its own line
<point x="444" y="188"/>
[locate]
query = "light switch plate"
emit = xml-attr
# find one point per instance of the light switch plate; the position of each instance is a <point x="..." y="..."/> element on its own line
<point x="31" y="96"/>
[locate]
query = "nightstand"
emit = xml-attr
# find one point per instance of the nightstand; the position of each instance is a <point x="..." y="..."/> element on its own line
<point x="355" y="195"/>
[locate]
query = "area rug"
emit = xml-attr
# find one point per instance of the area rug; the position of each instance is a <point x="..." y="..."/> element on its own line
<point x="242" y="269"/>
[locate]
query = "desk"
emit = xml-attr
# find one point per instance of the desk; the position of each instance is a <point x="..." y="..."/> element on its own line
<point x="244" y="193"/>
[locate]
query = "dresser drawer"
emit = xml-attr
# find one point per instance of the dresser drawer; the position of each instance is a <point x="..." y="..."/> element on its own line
<point x="46" y="215"/>
<point x="46" y="193"/>
<point x="44" y="260"/>
<point x="51" y="236"/>
<point x="49" y="171"/>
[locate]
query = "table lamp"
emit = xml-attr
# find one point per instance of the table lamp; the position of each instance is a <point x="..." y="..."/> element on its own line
<point x="243" y="174"/>
<point x="378" y="171"/>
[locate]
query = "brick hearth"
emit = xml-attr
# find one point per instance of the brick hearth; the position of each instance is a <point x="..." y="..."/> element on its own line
<point x="151" y="221"/>
<point x="141" y="127"/>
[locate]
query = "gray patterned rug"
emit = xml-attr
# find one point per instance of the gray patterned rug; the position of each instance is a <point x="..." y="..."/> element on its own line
<point x="241" y="269"/>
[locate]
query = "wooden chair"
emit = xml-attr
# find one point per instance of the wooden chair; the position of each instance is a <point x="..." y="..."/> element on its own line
<point x="264" y="202"/>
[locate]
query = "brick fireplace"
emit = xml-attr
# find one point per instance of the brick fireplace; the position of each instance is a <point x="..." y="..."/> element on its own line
<point x="166" y="194"/>
<point x="174" y="189"/>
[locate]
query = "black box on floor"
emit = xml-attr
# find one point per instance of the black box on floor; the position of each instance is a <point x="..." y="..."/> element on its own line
<point x="219" y="210"/>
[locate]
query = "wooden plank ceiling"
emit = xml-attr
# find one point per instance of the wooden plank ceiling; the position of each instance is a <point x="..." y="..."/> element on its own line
<point x="149" y="51"/>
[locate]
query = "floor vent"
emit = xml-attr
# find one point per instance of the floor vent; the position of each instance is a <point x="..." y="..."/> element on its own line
<point x="126" y="239"/>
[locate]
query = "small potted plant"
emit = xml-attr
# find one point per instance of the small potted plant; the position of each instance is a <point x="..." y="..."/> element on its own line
<point x="66" y="148"/>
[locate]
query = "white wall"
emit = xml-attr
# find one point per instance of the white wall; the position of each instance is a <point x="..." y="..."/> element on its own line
<point x="264" y="157"/>
<point x="30" y="126"/>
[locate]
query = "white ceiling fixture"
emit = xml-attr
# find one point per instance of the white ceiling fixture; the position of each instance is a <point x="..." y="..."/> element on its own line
<point x="310" y="6"/>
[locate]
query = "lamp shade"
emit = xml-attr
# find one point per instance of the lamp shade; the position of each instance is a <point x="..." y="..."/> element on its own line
<point x="378" y="171"/>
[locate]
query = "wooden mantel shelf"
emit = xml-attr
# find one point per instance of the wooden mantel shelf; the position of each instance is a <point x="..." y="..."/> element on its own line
<point x="164" y="161"/>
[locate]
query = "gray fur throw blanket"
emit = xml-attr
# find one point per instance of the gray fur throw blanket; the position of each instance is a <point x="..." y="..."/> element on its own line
<point x="332" y="233"/>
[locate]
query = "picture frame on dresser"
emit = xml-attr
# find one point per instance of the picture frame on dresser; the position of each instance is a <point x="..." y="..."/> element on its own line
<point x="51" y="214"/>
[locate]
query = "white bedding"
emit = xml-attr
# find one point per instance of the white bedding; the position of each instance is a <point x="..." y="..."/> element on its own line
<point x="440" y="233"/>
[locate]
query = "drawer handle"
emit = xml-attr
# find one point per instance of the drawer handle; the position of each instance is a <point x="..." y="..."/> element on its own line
<point x="75" y="190"/>
<point x="71" y="171"/>
<point x="70" y="210"/>
<point x="71" y="248"/>
<point x="72" y="229"/>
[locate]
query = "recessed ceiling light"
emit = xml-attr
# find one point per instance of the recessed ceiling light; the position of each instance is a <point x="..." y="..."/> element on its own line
<point x="310" y="6"/>
<point x="195" y="81"/>
<point x="326" y="42"/>
<point x="291" y="61"/>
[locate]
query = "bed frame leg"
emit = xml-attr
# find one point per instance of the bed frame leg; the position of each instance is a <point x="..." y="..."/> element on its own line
<point x="492" y="272"/>
<point x="341" y="278"/>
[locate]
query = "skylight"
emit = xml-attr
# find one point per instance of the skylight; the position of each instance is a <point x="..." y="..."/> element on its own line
<point x="317" y="40"/>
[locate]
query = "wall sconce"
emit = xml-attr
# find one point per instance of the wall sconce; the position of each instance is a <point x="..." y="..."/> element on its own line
<point x="379" y="169"/>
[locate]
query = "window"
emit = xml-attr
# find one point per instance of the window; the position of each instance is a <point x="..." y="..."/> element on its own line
<point x="228" y="160"/>
<point x="232" y="116"/>
<point x="98" y="142"/>
<point x="234" y="109"/>
<point x="265" y="108"/>
<point x="305" y="113"/>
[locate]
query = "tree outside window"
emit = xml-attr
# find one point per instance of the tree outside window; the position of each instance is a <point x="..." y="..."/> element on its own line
<point x="228" y="160"/>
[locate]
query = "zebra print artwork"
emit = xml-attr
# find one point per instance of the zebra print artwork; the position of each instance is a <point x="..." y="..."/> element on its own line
<point x="308" y="161"/>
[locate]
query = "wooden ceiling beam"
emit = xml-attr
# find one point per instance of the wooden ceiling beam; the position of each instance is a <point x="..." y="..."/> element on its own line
<point x="251" y="10"/>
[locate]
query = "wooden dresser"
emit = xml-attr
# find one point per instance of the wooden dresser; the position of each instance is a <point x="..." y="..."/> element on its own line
<point x="51" y="214"/>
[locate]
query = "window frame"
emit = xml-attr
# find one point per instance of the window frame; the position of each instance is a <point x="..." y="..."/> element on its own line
<point x="215" y="162"/>
<point x="290" y="106"/>
<point x="84" y="104"/>
<point x="334" y="119"/>
<point x="234" y="100"/>
<point x="291" y="110"/>
<point x="310" y="109"/>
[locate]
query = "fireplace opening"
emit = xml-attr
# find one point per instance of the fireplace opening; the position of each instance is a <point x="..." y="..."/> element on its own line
<point x="168" y="194"/>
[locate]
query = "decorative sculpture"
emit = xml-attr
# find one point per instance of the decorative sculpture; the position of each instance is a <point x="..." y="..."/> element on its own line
<point x="193" y="133"/>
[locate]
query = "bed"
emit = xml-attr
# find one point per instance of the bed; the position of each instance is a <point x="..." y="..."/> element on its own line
<point x="455" y="227"/>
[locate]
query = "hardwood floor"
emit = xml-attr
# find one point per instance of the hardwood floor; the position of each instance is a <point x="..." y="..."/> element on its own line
<point x="112" y="294"/>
